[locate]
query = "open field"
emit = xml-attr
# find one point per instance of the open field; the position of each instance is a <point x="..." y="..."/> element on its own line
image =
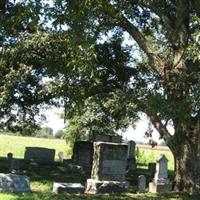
<point x="17" y="144"/>
<point x="148" y="154"/>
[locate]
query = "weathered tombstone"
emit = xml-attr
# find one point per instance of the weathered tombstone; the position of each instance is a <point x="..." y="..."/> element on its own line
<point x="109" y="169"/>
<point x="39" y="155"/>
<point x="68" y="187"/>
<point x="15" y="165"/>
<point x="83" y="154"/>
<point x="115" y="139"/>
<point x="160" y="183"/>
<point x="9" y="157"/>
<point x="161" y="168"/>
<point x="14" y="183"/>
<point x="101" y="138"/>
<point x="108" y="138"/>
<point x="61" y="156"/>
<point x="151" y="169"/>
<point x="131" y="162"/>
<point x="67" y="161"/>
<point x="141" y="183"/>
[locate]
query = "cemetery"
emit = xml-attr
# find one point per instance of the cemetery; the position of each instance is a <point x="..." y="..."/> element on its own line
<point x="97" y="169"/>
<point x="84" y="83"/>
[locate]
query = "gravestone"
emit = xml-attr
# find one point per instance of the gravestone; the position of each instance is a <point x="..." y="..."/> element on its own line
<point x="61" y="156"/>
<point x="9" y="157"/>
<point x="15" y="165"/>
<point x="108" y="169"/>
<point x="109" y="161"/>
<point x="67" y="161"/>
<point x="151" y="169"/>
<point x="68" y="187"/>
<point x="160" y="183"/>
<point x="39" y="155"/>
<point x="161" y="168"/>
<point x="108" y="138"/>
<point x="131" y="162"/>
<point x="14" y="183"/>
<point x="83" y="154"/>
<point x="141" y="183"/>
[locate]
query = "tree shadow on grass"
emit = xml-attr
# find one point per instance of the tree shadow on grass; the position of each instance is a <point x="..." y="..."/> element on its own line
<point x="44" y="176"/>
<point x="123" y="196"/>
<point x="56" y="173"/>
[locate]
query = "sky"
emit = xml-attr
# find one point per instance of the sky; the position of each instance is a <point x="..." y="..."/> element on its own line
<point x="136" y="134"/>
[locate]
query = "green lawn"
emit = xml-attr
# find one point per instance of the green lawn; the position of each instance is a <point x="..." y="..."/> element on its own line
<point x="17" y="144"/>
<point x="42" y="177"/>
<point x="148" y="154"/>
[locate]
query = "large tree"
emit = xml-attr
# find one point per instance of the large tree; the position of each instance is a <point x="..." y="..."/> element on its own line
<point x="167" y="86"/>
<point x="86" y="61"/>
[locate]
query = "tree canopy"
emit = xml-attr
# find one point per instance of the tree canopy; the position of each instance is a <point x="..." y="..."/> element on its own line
<point x="75" y="54"/>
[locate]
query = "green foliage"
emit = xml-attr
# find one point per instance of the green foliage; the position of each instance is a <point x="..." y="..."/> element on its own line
<point x="99" y="79"/>
<point x="145" y="155"/>
<point x="45" y="132"/>
<point x="59" y="134"/>
<point x="104" y="106"/>
<point x="83" y="62"/>
<point x="139" y="156"/>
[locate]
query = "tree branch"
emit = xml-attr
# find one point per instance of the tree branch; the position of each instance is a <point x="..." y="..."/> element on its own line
<point x="164" y="18"/>
<point x="196" y="6"/>
<point x="143" y="43"/>
<point x="156" y="121"/>
<point x="3" y="6"/>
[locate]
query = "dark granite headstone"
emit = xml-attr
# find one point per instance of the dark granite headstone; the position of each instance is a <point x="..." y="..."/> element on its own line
<point x="39" y="155"/>
<point x="108" y="169"/>
<point x="83" y="154"/>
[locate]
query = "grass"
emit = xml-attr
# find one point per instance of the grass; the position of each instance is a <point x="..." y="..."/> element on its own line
<point x="42" y="177"/>
<point x="17" y="144"/>
<point x="145" y="154"/>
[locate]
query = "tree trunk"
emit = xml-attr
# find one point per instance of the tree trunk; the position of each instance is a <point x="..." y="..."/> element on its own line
<point x="187" y="166"/>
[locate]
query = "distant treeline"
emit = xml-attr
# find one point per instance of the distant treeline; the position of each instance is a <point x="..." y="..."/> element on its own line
<point x="45" y="132"/>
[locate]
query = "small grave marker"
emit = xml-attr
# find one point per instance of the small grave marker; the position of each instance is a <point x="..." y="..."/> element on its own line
<point x="141" y="183"/>
<point x="160" y="183"/>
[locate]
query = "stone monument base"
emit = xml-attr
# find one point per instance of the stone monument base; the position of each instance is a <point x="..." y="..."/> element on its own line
<point x="99" y="187"/>
<point x="160" y="187"/>
<point x="68" y="187"/>
<point x="14" y="183"/>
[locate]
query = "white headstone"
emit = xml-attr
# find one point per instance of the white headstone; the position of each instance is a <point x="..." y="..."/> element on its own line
<point x="161" y="183"/>
<point x="61" y="156"/>
<point x="161" y="168"/>
<point x="141" y="183"/>
<point x="68" y="187"/>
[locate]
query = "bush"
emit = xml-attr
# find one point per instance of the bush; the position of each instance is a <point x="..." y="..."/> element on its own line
<point x="45" y="132"/>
